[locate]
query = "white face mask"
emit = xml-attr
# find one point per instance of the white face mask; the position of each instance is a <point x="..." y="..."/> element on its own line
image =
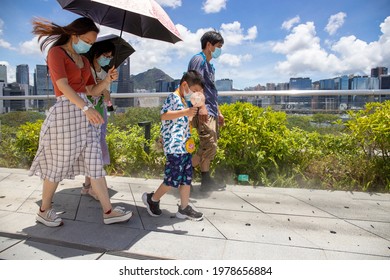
<point x="187" y="95"/>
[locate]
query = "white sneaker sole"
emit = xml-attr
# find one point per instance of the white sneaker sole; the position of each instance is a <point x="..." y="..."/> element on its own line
<point x="49" y="223"/>
<point x="181" y="216"/>
<point x="119" y="219"/>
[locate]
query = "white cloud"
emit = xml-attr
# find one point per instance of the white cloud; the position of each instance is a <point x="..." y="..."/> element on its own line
<point x="169" y="3"/>
<point x="302" y="36"/>
<point x="30" y="47"/>
<point x="335" y="22"/>
<point x="288" y="24"/>
<point x="233" y="34"/>
<point x="3" y="43"/>
<point x="214" y="6"/>
<point x="232" y="60"/>
<point x="348" y="55"/>
<point x="6" y="45"/>
<point x="303" y="52"/>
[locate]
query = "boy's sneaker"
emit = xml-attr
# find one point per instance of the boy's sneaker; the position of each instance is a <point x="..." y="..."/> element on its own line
<point x="117" y="215"/>
<point x="189" y="213"/>
<point x="49" y="218"/>
<point x="152" y="207"/>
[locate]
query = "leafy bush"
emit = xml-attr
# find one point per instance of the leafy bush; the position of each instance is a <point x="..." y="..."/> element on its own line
<point x="14" y="119"/>
<point x="7" y="147"/>
<point x="127" y="152"/>
<point x="272" y="148"/>
<point x="371" y="129"/>
<point x="253" y="141"/>
<point x="134" y="115"/>
<point x="27" y="141"/>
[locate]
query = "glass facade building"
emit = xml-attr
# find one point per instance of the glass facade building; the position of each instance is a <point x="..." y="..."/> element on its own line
<point x="3" y="73"/>
<point x="22" y="74"/>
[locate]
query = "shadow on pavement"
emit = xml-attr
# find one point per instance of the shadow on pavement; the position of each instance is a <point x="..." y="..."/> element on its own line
<point x="84" y="230"/>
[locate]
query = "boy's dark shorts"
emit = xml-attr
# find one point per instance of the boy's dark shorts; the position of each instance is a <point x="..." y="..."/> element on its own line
<point x="178" y="170"/>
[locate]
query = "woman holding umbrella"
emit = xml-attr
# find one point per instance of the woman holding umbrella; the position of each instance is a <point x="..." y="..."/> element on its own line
<point x="69" y="142"/>
<point x="99" y="56"/>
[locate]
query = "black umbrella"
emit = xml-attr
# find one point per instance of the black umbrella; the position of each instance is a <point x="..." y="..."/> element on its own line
<point x="122" y="50"/>
<point x="144" y="18"/>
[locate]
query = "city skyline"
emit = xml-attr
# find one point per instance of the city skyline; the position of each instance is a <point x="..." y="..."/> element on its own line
<point x="128" y="86"/>
<point x="264" y="42"/>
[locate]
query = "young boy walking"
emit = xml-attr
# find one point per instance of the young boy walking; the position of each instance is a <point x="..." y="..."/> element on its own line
<point x="176" y="134"/>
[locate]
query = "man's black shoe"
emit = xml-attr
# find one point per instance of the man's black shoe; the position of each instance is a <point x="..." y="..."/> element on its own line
<point x="209" y="184"/>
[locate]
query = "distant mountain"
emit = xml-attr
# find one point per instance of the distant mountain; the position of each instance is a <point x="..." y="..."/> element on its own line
<point x="147" y="80"/>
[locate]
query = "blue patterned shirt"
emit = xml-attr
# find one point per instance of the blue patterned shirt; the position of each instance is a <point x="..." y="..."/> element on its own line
<point x="199" y="63"/>
<point x="174" y="132"/>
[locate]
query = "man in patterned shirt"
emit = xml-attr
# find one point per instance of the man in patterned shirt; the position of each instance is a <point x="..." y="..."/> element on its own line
<point x="209" y="118"/>
<point x="176" y="134"/>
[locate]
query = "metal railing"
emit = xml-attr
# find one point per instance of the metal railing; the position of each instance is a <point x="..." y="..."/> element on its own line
<point x="287" y="100"/>
<point x="294" y="93"/>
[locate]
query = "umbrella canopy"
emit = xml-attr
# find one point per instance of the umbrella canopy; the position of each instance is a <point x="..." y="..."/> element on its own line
<point x="122" y="49"/>
<point x="144" y="18"/>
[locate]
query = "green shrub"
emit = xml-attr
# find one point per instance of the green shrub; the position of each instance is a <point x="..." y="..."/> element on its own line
<point x="253" y="141"/>
<point x="134" y="115"/>
<point x="371" y="129"/>
<point x="14" y="119"/>
<point x="7" y="147"/>
<point x="272" y="148"/>
<point x="127" y="152"/>
<point x="27" y="141"/>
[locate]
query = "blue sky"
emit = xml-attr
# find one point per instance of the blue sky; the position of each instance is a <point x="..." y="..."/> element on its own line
<point x="265" y="41"/>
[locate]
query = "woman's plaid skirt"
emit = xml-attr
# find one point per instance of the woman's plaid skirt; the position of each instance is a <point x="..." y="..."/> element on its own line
<point x="69" y="145"/>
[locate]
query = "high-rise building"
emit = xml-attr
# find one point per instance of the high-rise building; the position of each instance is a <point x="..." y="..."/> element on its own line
<point x="378" y="71"/>
<point x="125" y="85"/>
<point x="15" y="89"/>
<point x="3" y="73"/>
<point x="299" y="84"/>
<point x="22" y="74"/>
<point x="342" y="83"/>
<point x="43" y="86"/>
<point x="363" y="83"/>
<point x="384" y="84"/>
<point x="325" y="102"/>
<point x="224" y="85"/>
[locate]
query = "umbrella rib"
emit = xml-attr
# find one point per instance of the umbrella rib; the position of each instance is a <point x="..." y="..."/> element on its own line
<point x="123" y="23"/>
<point x="106" y="13"/>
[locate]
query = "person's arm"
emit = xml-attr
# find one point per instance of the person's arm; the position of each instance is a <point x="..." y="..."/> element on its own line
<point x="56" y="64"/>
<point x="221" y="118"/>
<point x="196" y="64"/>
<point x="96" y="90"/>
<point x="92" y="115"/>
<point x="171" y="115"/>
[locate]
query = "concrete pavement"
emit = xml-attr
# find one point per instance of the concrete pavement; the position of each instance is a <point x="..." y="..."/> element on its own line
<point x="241" y="222"/>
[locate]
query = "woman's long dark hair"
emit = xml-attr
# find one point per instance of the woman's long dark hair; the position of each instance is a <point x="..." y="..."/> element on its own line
<point x="60" y="35"/>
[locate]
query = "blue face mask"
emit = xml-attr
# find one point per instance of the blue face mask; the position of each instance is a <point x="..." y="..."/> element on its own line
<point x="81" y="46"/>
<point x="103" y="61"/>
<point x="216" y="53"/>
<point x="187" y="95"/>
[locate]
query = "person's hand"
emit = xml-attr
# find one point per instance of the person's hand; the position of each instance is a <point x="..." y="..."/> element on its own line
<point x="191" y="112"/>
<point x="203" y="114"/>
<point x="94" y="116"/>
<point x="112" y="74"/>
<point x="221" y="120"/>
<point x="106" y="96"/>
